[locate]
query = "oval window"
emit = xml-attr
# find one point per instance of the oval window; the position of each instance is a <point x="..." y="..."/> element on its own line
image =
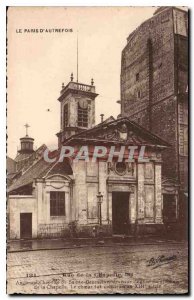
<point x="120" y="168"/>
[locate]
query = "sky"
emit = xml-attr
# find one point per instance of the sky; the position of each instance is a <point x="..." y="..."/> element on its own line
<point x="38" y="63"/>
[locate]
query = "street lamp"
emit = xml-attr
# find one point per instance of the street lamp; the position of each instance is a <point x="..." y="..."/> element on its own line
<point x="99" y="201"/>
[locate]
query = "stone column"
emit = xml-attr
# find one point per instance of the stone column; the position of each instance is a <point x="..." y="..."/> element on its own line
<point x="140" y="193"/>
<point x="72" y="202"/>
<point x="80" y="195"/>
<point x="132" y="210"/>
<point x="110" y="204"/>
<point x="67" y="207"/>
<point x="47" y="216"/>
<point x="40" y="201"/>
<point x="158" y="194"/>
<point x="39" y="196"/>
<point x="102" y="188"/>
<point x="132" y="206"/>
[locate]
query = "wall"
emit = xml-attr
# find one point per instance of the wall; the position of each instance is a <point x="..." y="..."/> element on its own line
<point x="49" y="226"/>
<point x="165" y="125"/>
<point x="181" y="66"/>
<point x="137" y="57"/>
<point x="21" y="204"/>
<point x="163" y="72"/>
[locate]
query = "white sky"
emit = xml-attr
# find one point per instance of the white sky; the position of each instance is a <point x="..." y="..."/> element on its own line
<point x="39" y="63"/>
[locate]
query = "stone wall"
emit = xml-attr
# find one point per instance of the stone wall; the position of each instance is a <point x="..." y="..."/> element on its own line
<point x="151" y="43"/>
<point x="21" y="204"/>
<point x="181" y="55"/>
<point x="49" y="226"/>
<point x="155" y="63"/>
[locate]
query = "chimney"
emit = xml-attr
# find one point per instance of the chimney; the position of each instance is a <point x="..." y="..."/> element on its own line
<point x="102" y="117"/>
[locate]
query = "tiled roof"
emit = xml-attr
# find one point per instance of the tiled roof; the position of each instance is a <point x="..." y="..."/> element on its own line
<point x="22" y="156"/>
<point x="37" y="170"/>
<point x="62" y="168"/>
<point x="11" y="165"/>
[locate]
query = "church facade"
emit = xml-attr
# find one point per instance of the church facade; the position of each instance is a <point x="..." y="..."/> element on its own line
<point x="114" y="194"/>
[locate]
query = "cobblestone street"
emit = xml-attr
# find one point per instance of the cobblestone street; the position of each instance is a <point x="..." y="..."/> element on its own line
<point x="157" y="268"/>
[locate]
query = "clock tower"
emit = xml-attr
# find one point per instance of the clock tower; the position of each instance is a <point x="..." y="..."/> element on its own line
<point x="77" y="108"/>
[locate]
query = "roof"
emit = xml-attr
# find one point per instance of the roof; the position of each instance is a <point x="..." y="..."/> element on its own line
<point x="37" y="170"/>
<point x="61" y="168"/>
<point x="24" y="161"/>
<point x="111" y="132"/>
<point x="22" y="156"/>
<point x="161" y="8"/>
<point x="41" y="169"/>
<point x="27" y="138"/>
<point x="11" y="165"/>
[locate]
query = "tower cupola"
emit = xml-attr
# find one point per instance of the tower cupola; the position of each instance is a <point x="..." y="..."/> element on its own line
<point x="27" y="143"/>
<point x="77" y="102"/>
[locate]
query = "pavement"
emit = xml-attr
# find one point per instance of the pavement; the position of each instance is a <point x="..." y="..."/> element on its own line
<point x="62" y="243"/>
<point x="128" y="268"/>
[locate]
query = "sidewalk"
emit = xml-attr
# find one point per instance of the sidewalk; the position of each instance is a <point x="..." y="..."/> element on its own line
<point x="62" y="243"/>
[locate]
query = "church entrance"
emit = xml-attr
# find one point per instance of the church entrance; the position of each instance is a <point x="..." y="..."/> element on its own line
<point x="120" y="212"/>
<point x="25" y="225"/>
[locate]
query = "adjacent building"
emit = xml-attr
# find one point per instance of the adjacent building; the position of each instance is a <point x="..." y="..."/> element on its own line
<point x="154" y="93"/>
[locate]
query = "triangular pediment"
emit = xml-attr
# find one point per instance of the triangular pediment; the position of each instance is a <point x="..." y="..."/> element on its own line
<point x="122" y="131"/>
<point x="116" y="133"/>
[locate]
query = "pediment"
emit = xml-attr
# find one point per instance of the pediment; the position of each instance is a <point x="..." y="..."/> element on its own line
<point x="59" y="178"/>
<point x="122" y="131"/>
<point x="116" y="132"/>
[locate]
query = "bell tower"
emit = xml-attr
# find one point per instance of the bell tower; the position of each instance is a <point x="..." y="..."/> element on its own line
<point x="77" y="108"/>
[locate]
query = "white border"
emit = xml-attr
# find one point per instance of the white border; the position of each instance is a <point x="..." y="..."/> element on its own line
<point x="3" y="5"/>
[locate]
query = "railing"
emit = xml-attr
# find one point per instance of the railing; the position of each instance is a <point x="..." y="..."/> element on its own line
<point x="52" y="230"/>
<point x="79" y="86"/>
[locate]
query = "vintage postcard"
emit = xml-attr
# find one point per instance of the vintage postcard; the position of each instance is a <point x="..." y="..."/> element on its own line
<point x="97" y="157"/>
